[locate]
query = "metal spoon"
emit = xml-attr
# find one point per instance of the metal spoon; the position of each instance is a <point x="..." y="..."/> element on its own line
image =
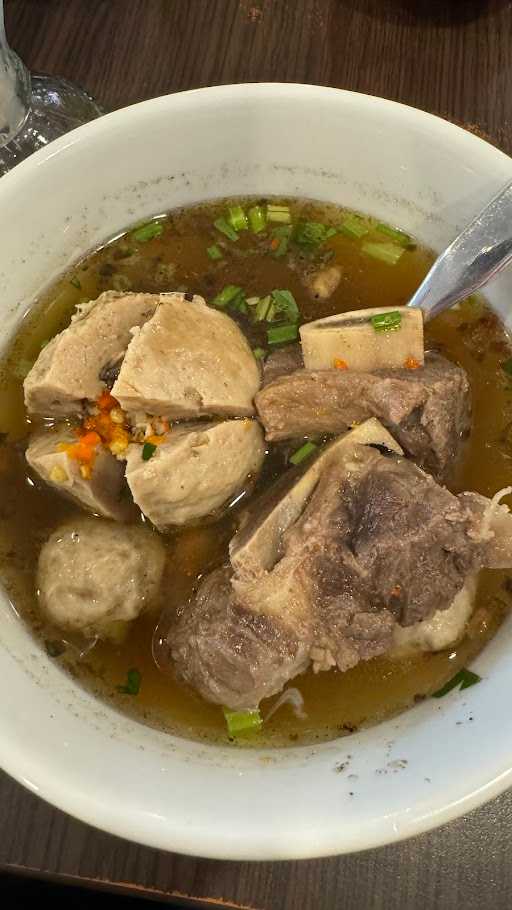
<point x="479" y="252"/>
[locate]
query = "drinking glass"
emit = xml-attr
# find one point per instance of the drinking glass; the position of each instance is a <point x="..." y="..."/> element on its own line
<point x="34" y="109"/>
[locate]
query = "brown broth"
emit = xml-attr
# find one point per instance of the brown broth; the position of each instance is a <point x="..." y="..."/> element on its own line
<point x="335" y="703"/>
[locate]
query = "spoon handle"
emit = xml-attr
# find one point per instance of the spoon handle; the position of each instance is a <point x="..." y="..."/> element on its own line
<point x="479" y="252"/>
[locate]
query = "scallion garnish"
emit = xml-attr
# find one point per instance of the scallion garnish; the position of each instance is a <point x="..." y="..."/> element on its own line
<point x="259" y="353"/>
<point x="396" y="235"/>
<point x="257" y="219"/>
<point x="214" y="252"/>
<point x="463" y="679"/>
<point x="387" y="322"/>
<point x="280" y="240"/>
<point x="279" y="213"/>
<point x="147" y="232"/>
<point x="227" y="296"/>
<point x="242" y="721"/>
<point x="76" y="283"/>
<point x="312" y="234"/>
<point x="304" y="452"/>
<point x="389" y="253"/>
<point x="239" y="304"/>
<point x="264" y="309"/>
<point x="148" y="450"/>
<point x="280" y="334"/>
<point x="285" y="303"/>
<point x="238" y="218"/>
<point x="132" y="686"/>
<point x="354" y="227"/>
<point x="225" y="228"/>
<point x="506" y="366"/>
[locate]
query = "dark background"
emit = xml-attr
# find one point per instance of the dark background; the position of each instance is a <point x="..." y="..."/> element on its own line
<point x="452" y="58"/>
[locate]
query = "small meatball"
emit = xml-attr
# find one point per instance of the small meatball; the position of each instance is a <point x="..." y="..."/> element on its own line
<point x="323" y="284"/>
<point x="105" y="492"/>
<point x="94" y="574"/>
<point x="196" y="471"/>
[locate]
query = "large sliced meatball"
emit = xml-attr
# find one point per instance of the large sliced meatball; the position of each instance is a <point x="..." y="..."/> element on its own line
<point x="70" y="368"/>
<point x="94" y="573"/>
<point x="105" y="492"/>
<point x="196" y="471"/>
<point x="188" y="361"/>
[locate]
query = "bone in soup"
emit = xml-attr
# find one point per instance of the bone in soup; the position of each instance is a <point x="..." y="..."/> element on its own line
<point x="213" y="493"/>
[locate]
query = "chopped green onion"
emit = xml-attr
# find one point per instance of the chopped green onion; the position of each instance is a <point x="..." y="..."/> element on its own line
<point x="259" y="353"/>
<point x="396" y="235"/>
<point x="214" y="252"/>
<point x="132" y="686"/>
<point x="281" y="234"/>
<point x="387" y="322"/>
<point x="147" y="232"/>
<point x="239" y="304"/>
<point x="238" y="218"/>
<point x="279" y="213"/>
<point x="389" y="253"/>
<point x="225" y="228"/>
<point x="281" y="248"/>
<point x="354" y="227"/>
<point x="506" y="366"/>
<point x="253" y="301"/>
<point x="242" y="721"/>
<point x="148" y="450"/>
<point x="264" y="309"/>
<point x="464" y="678"/>
<point x="257" y="219"/>
<point x="312" y="234"/>
<point x="304" y="452"/>
<point x="76" y="283"/>
<point x="285" y="303"/>
<point x="227" y="296"/>
<point x="282" y="333"/>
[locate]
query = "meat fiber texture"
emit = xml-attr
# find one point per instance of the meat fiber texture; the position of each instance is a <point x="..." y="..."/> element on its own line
<point x="428" y="410"/>
<point x="361" y="543"/>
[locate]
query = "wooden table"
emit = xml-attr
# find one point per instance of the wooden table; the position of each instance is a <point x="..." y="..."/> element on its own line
<point x="450" y="57"/>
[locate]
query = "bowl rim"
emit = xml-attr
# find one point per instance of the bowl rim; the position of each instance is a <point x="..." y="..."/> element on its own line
<point x="205" y="842"/>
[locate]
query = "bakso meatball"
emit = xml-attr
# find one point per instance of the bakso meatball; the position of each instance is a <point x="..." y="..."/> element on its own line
<point x="196" y="471"/>
<point x="94" y="574"/>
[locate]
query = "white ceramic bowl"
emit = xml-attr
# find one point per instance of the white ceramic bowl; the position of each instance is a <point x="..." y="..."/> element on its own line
<point x="412" y="773"/>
